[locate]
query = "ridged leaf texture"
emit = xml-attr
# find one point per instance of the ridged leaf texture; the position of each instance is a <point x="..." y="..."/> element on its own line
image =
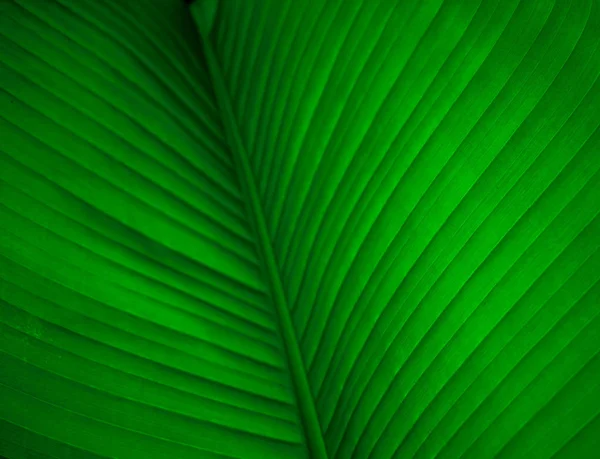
<point x="336" y="229"/>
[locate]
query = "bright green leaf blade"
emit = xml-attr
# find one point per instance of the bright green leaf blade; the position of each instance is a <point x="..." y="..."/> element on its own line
<point x="429" y="174"/>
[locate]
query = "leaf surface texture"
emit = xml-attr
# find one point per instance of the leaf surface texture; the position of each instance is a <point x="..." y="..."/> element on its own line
<point x="272" y="229"/>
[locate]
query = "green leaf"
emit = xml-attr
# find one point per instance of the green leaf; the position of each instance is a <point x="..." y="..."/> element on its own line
<point x="271" y="229"/>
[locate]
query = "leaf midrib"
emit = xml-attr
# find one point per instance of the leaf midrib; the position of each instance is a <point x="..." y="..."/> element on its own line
<point x="305" y="402"/>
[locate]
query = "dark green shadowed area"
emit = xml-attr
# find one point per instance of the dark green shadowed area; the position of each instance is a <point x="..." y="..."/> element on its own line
<point x="136" y="321"/>
<point x="333" y="229"/>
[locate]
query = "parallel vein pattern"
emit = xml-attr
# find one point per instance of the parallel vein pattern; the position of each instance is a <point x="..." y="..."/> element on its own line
<point x="134" y="317"/>
<point x="429" y="173"/>
<point x="420" y="187"/>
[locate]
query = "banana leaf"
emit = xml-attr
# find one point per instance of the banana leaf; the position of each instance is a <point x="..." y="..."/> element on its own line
<point x="336" y="229"/>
